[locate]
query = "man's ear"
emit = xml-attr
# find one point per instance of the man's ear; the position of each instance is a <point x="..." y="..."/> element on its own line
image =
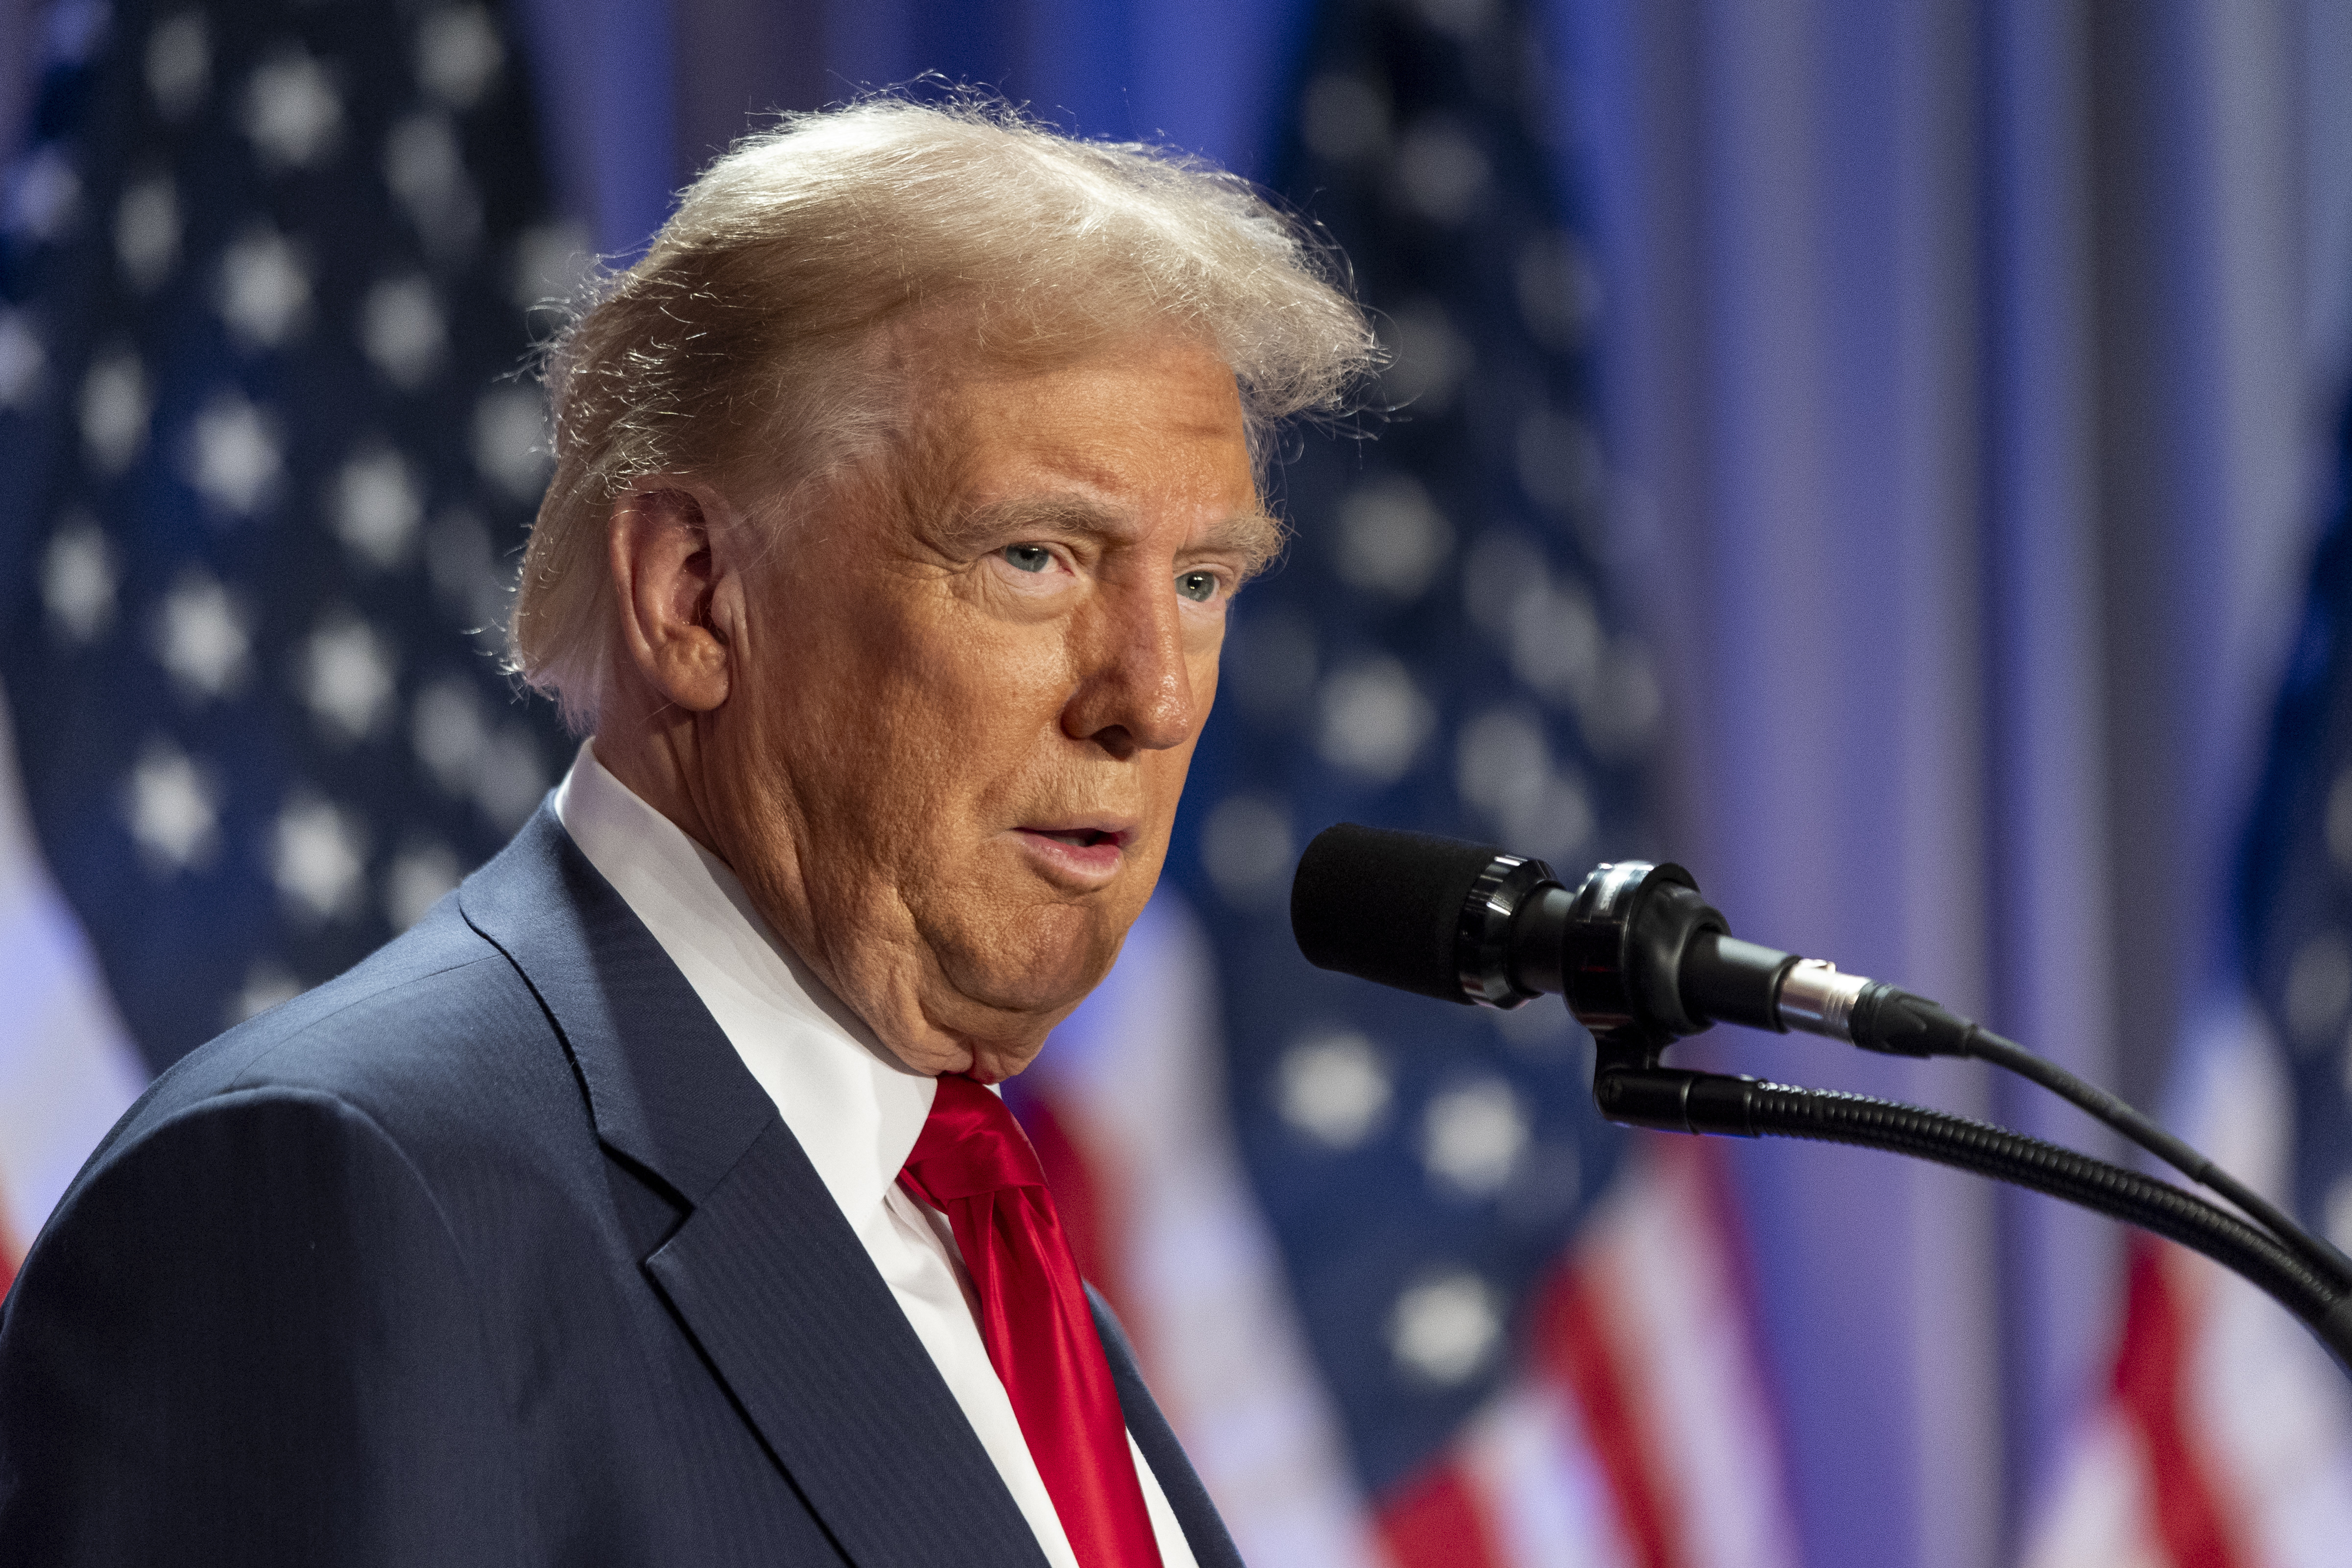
<point x="667" y="576"/>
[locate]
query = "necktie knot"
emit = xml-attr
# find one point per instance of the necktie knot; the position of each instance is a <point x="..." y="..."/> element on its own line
<point x="970" y="1145"/>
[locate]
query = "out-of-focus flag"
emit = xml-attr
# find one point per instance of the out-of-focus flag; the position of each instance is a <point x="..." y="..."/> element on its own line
<point x="67" y="1070"/>
<point x="1406" y="1296"/>
<point x="2224" y="1436"/>
<point x="267" y="268"/>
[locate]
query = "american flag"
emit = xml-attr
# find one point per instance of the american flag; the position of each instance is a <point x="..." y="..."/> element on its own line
<point x="2223" y="1439"/>
<point x="269" y="271"/>
<point x="1408" y="1298"/>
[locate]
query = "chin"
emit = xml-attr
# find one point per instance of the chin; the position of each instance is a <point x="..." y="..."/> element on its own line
<point x="1026" y="993"/>
<point x="996" y="1062"/>
<point x="1033" y="963"/>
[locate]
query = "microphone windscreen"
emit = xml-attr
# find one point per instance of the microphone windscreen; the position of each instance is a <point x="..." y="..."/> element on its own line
<point x="1386" y="905"/>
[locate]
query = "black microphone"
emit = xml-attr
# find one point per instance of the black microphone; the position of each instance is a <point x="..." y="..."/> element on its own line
<point x="1634" y="947"/>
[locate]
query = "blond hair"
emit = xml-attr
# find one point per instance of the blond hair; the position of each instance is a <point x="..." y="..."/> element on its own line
<point x="740" y="349"/>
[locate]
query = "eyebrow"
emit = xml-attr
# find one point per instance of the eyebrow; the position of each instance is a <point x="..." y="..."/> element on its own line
<point x="1254" y="535"/>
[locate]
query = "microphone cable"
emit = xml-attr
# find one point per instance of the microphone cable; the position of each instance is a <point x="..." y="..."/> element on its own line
<point x="2315" y="1249"/>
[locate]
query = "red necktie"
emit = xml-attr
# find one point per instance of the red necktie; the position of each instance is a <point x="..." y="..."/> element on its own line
<point x="975" y="1164"/>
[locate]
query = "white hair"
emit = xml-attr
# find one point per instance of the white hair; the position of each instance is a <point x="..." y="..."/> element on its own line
<point x="743" y="348"/>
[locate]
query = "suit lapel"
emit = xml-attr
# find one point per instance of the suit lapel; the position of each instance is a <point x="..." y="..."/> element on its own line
<point x="765" y="1272"/>
<point x="784" y="1301"/>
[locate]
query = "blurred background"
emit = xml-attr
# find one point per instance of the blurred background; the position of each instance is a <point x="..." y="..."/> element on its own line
<point x="1887" y="455"/>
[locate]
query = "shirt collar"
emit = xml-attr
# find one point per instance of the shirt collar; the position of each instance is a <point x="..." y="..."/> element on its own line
<point x="854" y="1107"/>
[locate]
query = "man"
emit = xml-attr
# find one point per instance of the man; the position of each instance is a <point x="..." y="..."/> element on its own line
<point x="643" y="1203"/>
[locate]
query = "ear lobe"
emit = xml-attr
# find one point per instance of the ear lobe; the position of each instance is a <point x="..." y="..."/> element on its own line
<point x="666" y="576"/>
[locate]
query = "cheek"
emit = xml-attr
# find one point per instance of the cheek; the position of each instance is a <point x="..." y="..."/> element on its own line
<point x="933" y="720"/>
<point x="1006" y="665"/>
<point x="988" y="699"/>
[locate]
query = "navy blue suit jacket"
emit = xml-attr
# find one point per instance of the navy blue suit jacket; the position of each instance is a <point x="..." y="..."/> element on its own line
<point x="489" y="1252"/>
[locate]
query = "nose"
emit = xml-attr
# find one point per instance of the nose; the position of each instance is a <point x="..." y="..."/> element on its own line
<point x="1134" y="687"/>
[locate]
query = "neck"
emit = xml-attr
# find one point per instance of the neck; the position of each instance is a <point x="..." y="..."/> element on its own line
<point x="653" y="748"/>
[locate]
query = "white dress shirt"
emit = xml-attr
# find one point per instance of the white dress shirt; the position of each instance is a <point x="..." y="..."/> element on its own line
<point x="854" y="1108"/>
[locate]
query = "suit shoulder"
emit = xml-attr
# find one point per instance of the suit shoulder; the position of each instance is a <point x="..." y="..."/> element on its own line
<point x="434" y="1034"/>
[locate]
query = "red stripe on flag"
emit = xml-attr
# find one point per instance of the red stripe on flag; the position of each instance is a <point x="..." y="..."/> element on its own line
<point x="2150" y="1374"/>
<point x="1434" y="1521"/>
<point x="10" y="1256"/>
<point x="1575" y="1348"/>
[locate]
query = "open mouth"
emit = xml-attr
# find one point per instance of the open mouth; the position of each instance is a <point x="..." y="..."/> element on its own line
<point x="1089" y="854"/>
<point x="1077" y="837"/>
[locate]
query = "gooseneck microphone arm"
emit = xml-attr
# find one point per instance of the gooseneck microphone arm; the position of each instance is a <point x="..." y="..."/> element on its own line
<point x="1677" y="1101"/>
<point x="1635" y="944"/>
<point x="1643" y="960"/>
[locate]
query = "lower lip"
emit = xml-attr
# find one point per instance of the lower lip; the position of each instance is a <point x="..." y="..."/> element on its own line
<point x="1088" y="863"/>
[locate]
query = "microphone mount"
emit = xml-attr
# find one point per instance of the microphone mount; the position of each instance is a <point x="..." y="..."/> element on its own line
<point x="1641" y="959"/>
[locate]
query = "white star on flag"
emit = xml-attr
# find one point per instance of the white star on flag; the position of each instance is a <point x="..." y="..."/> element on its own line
<point x="1335" y="1088"/>
<point x="319" y="858"/>
<point x="180" y="65"/>
<point x="401" y="330"/>
<point x="236" y="457"/>
<point x="1375" y="719"/>
<point x="1445" y="1330"/>
<point x="265" y="288"/>
<point x="80" y="575"/>
<point x="378" y="507"/>
<point x="509" y="440"/>
<point x="1472" y="1137"/>
<point x="147" y="231"/>
<point x="115" y="405"/>
<point x="203" y="639"/>
<point x="24" y="363"/>
<point x="426" y="171"/>
<point x="458" y="55"/>
<point x="174" y="808"/>
<point x="348" y="678"/>
<point x="292" y="112"/>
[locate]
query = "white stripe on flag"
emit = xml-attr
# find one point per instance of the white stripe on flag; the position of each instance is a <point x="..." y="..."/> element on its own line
<point x="66" y="1069"/>
<point x="2103" y="1518"/>
<point x="1659" y="1263"/>
<point x="1546" y="1503"/>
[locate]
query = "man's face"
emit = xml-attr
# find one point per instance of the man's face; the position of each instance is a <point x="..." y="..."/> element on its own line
<point x="961" y="724"/>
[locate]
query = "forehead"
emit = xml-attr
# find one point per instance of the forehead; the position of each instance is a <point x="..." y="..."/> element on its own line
<point x="1147" y="389"/>
<point x="1140" y="426"/>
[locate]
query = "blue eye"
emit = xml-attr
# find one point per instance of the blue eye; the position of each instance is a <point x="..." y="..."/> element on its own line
<point x="1198" y="586"/>
<point x="1028" y="557"/>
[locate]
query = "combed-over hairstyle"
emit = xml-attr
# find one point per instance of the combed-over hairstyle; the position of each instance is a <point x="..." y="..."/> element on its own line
<point x="744" y="347"/>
